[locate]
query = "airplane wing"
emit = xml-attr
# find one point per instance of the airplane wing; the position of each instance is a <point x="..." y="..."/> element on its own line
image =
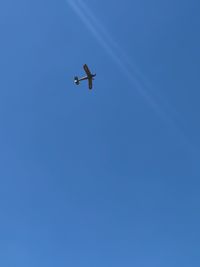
<point x="90" y="83"/>
<point x="86" y="69"/>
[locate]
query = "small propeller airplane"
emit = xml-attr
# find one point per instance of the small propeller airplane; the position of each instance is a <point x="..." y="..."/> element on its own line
<point x="89" y="77"/>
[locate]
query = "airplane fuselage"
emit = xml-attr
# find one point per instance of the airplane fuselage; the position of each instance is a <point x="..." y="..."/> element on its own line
<point x="87" y="77"/>
<point x="83" y="78"/>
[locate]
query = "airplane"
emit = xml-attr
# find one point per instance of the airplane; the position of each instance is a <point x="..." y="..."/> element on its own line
<point x="89" y="76"/>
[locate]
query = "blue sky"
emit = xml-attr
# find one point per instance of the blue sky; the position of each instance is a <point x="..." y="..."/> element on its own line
<point x="108" y="177"/>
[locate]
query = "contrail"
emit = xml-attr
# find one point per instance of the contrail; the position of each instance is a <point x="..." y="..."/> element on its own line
<point x="120" y="57"/>
<point x="108" y="44"/>
<point x="132" y="73"/>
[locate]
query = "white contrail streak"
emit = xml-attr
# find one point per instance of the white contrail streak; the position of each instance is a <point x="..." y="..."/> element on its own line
<point x="135" y="77"/>
<point x="109" y="45"/>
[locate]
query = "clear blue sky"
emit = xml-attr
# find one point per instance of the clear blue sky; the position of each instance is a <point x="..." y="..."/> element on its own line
<point x="109" y="177"/>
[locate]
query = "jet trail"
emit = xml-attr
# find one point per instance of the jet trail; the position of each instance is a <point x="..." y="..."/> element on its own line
<point x="104" y="39"/>
<point x="135" y="77"/>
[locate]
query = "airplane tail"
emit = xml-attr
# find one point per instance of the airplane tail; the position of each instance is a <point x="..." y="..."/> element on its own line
<point x="76" y="80"/>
